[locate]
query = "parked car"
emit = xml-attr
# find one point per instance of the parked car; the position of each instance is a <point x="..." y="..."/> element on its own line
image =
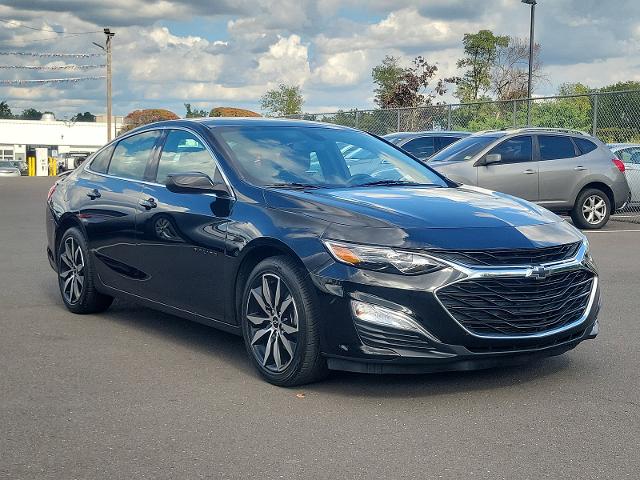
<point x="225" y="221"/>
<point x="629" y="153"/>
<point x="424" y="144"/>
<point x="566" y="171"/>
<point x="8" y="169"/>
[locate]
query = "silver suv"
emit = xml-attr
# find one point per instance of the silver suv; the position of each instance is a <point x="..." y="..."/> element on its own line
<point x="566" y="171"/>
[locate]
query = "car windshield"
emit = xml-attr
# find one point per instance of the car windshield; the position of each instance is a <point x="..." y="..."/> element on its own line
<point x="6" y="165"/>
<point x="307" y="157"/>
<point x="463" y="149"/>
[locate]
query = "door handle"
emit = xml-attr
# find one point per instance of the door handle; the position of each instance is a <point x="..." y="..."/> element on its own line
<point x="529" y="171"/>
<point x="93" y="194"/>
<point x="579" y="168"/>
<point x="149" y="203"/>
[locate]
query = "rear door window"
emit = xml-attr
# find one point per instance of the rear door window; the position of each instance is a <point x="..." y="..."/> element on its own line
<point x="514" y="150"/>
<point x="422" y="147"/>
<point x="553" y="147"/>
<point x="132" y="154"/>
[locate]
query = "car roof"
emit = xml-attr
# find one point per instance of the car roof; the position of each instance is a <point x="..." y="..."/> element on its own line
<point x="618" y="146"/>
<point x="427" y="133"/>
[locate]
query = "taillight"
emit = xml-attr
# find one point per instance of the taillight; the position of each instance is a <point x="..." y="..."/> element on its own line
<point x="51" y="190"/>
<point x="618" y="163"/>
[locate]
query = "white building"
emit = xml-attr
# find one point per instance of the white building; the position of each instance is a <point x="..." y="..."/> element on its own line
<point x="20" y="138"/>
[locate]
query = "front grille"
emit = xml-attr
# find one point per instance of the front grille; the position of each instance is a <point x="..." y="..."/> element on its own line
<point x="518" y="305"/>
<point x="386" y="337"/>
<point x="522" y="256"/>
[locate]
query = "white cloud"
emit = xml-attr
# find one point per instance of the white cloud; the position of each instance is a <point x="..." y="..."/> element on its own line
<point x="344" y="68"/>
<point x="286" y="61"/>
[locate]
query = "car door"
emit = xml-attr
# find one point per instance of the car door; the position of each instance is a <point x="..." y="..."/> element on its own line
<point x="421" y="147"/>
<point x="562" y="166"/>
<point x="517" y="171"/>
<point x="107" y="200"/>
<point x="182" y="235"/>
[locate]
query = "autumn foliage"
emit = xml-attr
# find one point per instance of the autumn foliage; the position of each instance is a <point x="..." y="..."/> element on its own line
<point x="143" y="117"/>
<point x="232" y="112"/>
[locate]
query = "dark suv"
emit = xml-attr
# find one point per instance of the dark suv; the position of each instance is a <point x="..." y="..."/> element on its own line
<point x="259" y="227"/>
<point x="566" y="171"/>
<point x="423" y="145"/>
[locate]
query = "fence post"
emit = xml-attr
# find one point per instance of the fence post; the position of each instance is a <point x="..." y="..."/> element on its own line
<point x="594" y="123"/>
<point x="357" y="118"/>
<point x="515" y="113"/>
<point x="398" y="120"/>
<point x="449" y="117"/>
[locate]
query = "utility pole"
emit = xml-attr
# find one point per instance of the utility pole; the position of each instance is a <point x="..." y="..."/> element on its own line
<point x="107" y="49"/>
<point x="531" y="45"/>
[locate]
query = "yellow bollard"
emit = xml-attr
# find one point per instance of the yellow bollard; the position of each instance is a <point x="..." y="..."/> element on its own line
<point x="32" y="166"/>
<point x="53" y="167"/>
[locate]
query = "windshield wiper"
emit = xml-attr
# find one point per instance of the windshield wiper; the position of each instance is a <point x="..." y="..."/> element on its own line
<point x="394" y="182"/>
<point x="293" y="185"/>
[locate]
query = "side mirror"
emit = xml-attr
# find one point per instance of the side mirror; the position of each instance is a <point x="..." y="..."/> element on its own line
<point x="490" y="158"/>
<point x="195" y="182"/>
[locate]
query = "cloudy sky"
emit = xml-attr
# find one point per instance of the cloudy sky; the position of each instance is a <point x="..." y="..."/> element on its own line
<point x="229" y="52"/>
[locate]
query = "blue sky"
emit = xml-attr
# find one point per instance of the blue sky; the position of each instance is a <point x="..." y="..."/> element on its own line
<point x="229" y="52"/>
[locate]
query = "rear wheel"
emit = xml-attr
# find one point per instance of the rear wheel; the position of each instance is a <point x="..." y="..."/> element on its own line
<point x="592" y="209"/>
<point x="279" y="323"/>
<point x="75" y="275"/>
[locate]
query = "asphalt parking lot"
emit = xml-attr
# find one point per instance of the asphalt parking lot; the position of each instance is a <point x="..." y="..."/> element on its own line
<point x="133" y="393"/>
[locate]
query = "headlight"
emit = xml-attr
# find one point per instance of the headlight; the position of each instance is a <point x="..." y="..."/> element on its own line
<point x="382" y="259"/>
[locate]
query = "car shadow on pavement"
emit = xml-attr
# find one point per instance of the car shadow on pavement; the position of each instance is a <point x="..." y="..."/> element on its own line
<point x="229" y="348"/>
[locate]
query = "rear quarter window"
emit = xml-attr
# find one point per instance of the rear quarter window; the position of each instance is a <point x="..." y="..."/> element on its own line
<point x="100" y="162"/>
<point x="585" y="146"/>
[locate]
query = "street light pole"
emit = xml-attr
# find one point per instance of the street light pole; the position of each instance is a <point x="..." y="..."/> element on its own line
<point x="110" y="35"/>
<point x="107" y="50"/>
<point x="531" y="45"/>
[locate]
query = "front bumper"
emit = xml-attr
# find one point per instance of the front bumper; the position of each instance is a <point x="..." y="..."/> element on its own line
<point x="348" y="345"/>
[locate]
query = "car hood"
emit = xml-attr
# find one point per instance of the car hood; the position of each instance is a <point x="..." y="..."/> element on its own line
<point x="462" y="217"/>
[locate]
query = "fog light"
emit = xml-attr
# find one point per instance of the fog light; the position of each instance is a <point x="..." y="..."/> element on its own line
<point x="387" y="317"/>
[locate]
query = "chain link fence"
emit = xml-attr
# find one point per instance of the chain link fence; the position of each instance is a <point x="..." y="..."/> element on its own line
<point x="614" y="117"/>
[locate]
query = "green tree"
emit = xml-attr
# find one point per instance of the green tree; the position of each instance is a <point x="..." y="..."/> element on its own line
<point x="5" y="110"/>
<point x="84" y="117"/>
<point x="30" y="114"/>
<point x="479" y="56"/>
<point x="406" y="87"/>
<point x="284" y="100"/>
<point x="194" y="113"/>
<point x="387" y="76"/>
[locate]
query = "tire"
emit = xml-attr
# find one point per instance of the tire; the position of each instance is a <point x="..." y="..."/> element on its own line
<point x="591" y="210"/>
<point x="76" y="275"/>
<point x="280" y="323"/>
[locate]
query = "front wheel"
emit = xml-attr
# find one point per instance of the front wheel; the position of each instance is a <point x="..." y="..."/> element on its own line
<point x="591" y="210"/>
<point x="280" y="325"/>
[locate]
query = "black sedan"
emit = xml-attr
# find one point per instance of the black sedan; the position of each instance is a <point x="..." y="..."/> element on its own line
<point x="268" y="229"/>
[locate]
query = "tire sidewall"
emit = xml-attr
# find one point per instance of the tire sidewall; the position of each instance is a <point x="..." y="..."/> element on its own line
<point x="291" y="280"/>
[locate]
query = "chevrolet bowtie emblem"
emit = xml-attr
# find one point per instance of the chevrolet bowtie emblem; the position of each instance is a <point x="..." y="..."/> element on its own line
<point x="539" y="272"/>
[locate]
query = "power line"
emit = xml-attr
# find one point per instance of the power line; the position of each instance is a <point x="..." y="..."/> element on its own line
<point x="51" y="67"/>
<point x="19" y="24"/>
<point x="53" y="54"/>
<point x="50" y="80"/>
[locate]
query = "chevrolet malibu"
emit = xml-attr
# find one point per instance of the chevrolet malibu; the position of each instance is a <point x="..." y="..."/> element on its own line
<point x="259" y="227"/>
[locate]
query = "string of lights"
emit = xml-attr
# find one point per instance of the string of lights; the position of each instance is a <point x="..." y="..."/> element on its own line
<point x="53" y="54"/>
<point x="50" y="67"/>
<point x="51" y="80"/>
